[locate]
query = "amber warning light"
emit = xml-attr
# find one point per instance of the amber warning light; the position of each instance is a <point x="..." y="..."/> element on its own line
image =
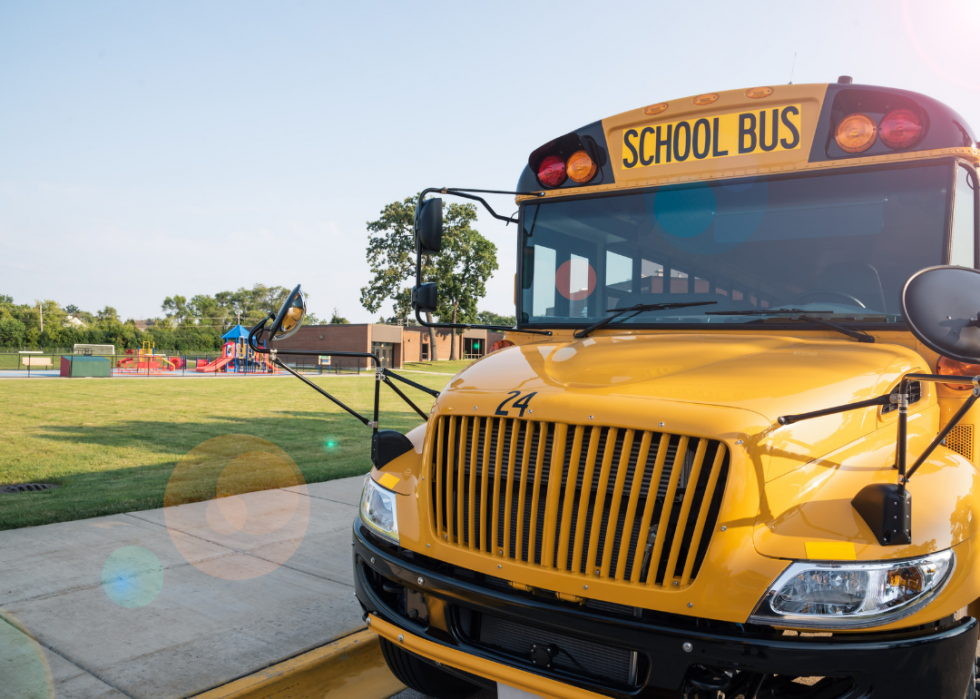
<point x="579" y="168"/>
<point x="900" y="128"/>
<point x="951" y="367"/>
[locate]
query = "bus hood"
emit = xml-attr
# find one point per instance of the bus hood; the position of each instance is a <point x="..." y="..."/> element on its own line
<point x="764" y="374"/>
<point x="770" y="375"/>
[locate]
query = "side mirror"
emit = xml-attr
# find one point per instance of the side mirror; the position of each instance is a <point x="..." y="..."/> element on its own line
<point x="428" y="233"/>
<point x="941" y="306"/>
<point x="290" y="316"/>
<point x="425" y="298"/>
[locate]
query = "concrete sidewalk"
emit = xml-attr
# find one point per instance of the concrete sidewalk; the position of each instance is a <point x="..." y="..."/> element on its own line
<point x="204" y="628"/>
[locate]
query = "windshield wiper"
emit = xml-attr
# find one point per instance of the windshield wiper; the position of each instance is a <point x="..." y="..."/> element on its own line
<point x="763" y="312"/>
<point x="858" y="335"/>
<point x="636" y="310"/>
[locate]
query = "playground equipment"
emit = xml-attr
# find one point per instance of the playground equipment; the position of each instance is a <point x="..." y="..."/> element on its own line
<point x="147" y="361"/>
<point x="238" y="357"/>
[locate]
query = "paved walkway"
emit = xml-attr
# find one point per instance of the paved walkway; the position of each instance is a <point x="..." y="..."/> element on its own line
<point x="196" y="620"/>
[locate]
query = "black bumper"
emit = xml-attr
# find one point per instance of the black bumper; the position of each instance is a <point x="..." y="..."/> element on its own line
<point x="927" y="662"/>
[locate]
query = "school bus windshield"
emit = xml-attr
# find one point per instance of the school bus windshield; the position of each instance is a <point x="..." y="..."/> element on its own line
<point x="844" y="242"/>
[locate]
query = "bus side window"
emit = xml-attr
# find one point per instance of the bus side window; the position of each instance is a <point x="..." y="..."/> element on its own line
<point x="963" y="247"/>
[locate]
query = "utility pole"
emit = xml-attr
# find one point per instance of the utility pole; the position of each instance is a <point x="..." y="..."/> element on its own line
<point x="40" y="313"/>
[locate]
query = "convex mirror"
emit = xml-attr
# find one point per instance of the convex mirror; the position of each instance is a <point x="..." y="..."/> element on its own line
<point x="425" y="298"/>
<point x="290" y="316"/>
<point x="428" y="231"/>
<point x="940" y="305"/>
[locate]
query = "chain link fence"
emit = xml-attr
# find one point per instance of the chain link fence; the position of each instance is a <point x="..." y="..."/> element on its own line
<point x="48" y="363"/>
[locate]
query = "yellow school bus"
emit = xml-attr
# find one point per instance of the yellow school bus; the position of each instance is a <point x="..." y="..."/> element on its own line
<point x="685" y="475"/>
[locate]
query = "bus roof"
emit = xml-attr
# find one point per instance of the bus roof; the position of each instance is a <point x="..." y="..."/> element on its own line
<point x="763" y="130"/>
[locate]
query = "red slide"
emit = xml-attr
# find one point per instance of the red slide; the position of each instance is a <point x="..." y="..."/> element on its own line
<point x="216" y="364"/>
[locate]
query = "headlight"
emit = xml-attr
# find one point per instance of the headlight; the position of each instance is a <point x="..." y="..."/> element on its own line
<point x="378" y="510"/>
<point x="853" y="595"/>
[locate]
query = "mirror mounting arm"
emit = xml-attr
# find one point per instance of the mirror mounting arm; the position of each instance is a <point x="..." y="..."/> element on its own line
<point x="465" y="193"/>
<point x="953" y="421"/>
<point x="887" y="508"/>
<point x="369" y="423"/>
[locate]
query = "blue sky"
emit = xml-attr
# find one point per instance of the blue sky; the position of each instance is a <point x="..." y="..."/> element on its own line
<point x="151" y="149"/>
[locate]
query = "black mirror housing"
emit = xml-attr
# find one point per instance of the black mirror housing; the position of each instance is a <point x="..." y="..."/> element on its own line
<point x="428" y="232"/>
<point x="388" y="445"/>
<point x="290" y="316"/>
<point x="887" y="510"/>
<point x="425" y="298"/>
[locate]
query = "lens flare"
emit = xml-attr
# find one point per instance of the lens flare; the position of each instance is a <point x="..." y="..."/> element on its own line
<point x="132" y="577"/>
<point x="929" y="35"/>
<point x="243" y="493"/>
<point x="24" y="669"/>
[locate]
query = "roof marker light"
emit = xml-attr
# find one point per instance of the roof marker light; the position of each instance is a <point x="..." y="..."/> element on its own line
<point x="901" y="128"/>
<point x="655" y="109"/>
<point x="856" y="133"/>
<point x="581" y="168"/>
<point x="709" y="98"/>
<point x="551" y="171"/>
<point x="758" y="92"/>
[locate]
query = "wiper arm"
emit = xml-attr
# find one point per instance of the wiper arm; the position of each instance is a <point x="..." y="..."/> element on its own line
<point x="763" y="312"/>
<point x="859" y="335"/>
<point x="637" y="309"/>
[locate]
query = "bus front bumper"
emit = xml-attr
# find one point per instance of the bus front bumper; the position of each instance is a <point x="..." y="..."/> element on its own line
<point x="394" y="585"/>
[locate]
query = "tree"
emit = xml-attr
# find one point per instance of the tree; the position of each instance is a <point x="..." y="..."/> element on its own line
<point x="491" y="318"/>
<point x="6" y="299"/>
<point x="337" y="319"/>
<point x="176" y="308"/>
<point x="467" y="260"/>
<point x="391" y="255"/>
<point x="207" y="311"/>
<point x="107" y="317"/>
<point x="72" y="309"/>
<point x="12" y="332"/>
<point x="248" y="306"/>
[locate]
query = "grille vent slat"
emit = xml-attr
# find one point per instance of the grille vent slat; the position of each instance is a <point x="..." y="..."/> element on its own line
<point x="628" y="505"/>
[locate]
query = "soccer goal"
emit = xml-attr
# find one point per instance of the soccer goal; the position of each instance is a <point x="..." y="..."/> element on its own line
<point x="93" y="349"/>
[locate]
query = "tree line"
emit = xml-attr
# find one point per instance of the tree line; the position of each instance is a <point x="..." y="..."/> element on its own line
<point x="194" y="325"/>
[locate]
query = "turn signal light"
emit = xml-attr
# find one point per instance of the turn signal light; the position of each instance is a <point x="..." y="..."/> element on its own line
<point x="951" y="367"/>
<point x="499" y="345"/>
<point x="856" y="133"/>
<point x="901" y="128"/>
<point x="552" y="171"/>
<point x="581" y="167"/>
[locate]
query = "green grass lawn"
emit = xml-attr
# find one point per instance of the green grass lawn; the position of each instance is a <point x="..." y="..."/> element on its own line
<point x="112" y="444"/>
<point x="444" y="367"/>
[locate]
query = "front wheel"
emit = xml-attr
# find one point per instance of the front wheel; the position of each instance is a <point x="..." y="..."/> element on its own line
<point x="424" y="678"/>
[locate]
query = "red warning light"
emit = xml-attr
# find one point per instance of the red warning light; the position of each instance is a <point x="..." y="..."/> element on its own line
<point x="552" y="171"/>
<point x="901" y="128"/>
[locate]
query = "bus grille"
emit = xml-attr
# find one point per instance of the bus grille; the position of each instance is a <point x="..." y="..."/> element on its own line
<point x="620" y="504"/>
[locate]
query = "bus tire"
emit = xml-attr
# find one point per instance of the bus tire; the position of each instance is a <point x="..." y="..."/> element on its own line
<point x="424" y="678"/>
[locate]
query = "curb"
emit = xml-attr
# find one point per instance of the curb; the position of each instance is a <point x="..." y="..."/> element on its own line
<point x="351" y="667"/>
